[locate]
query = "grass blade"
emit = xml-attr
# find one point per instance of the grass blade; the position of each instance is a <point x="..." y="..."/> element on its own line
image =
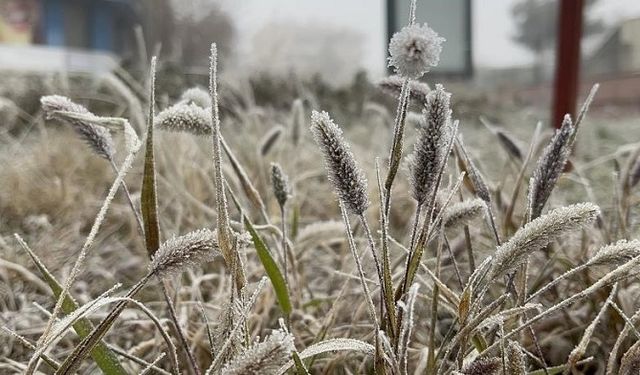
<point x="271" y="268"/>
<point x="300" y="369"/>
<point x="148" y="197"/>
<point x="104" y="358"/>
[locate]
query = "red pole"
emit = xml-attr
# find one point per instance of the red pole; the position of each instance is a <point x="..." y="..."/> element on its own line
<point x="567" y="60"/>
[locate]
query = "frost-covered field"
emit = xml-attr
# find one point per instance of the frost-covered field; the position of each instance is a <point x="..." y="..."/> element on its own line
<point x="207" y="233"/>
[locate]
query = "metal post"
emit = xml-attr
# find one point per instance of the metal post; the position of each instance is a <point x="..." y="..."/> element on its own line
<point x="567" y="60"/>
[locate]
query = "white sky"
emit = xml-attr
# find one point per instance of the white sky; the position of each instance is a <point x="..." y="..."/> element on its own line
<point x="492" y="24"/>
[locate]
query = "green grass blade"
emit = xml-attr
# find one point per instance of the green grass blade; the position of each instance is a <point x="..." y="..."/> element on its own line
<point x="300" y="369"/>
<point x="148" y="196"/>
<point x="74" y="360"/>
<point x="270" y="266"/>
<point x="106" y="359"/>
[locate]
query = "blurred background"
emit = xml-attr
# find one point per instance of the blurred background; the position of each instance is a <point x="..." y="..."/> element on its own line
<point x="501" y="52"/>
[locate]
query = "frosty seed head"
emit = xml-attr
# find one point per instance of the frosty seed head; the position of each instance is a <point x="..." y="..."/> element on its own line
<point x="414" y="50"/>
<point x="344" y="173"/>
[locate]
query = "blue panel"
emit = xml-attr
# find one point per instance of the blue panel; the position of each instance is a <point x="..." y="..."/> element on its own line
<point x="54" y="23"/>
<point x="102" y="26"/>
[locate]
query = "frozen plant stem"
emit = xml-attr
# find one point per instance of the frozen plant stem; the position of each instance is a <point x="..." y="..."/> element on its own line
<point x="374" y="254"/>
<point x="395" y="155"/>
<point x="224" y="233"/>
<point x="178" y="329"/>
<point x="129" y="199"/>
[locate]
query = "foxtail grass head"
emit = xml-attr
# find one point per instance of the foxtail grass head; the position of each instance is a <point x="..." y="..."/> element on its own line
<point x="431" y="146"/>
<point x="344" y="173"/>
<point x="188" y="251"/>
<point x="550" y="166"/>
<point x="280" y="183"/>
<point x="539" y="233"/>
<point x="265" y="357"/>
<point x="189" y="118"/>
<point x="616" y="253"/>
<point x="97" y="137"/>
<point x="462" y="213"/>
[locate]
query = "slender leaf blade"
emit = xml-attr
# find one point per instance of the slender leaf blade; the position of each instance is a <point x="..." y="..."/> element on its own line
<point x="270" y="266"/>
<point x="106" y="359"/>
<point x="148" y="196"/>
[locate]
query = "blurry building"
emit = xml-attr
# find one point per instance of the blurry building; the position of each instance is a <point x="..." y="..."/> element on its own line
<point x="620" y="51"/>
<point x="71" y="35"/>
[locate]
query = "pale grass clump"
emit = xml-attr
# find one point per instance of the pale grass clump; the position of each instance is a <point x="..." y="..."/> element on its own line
<point x="187" y="251"/>
<point x="344" y="173"/>
<point x="539" y="233"/>
<point x="189" y="118"/>
<point x="265" y="357"/>
<point x="436" y="312"/>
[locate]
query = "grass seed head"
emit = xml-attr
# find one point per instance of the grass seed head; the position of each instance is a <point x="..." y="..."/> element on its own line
<point x="539" y="233"/>
<point x="630" y="362"/>
<point x="264" y="358"/>
<point x="392" y="85"/>
<point x="616" y="253"/>
<point x="483" y="366"/>
<point x="187" y="251"/>
<point x="198" y="96"/>
<point x="270" y="139"/>
<point x="462" y="213"/>
<point x="550" y="167"/>
<point x="414" y="50"/>
<point x="280" y="182"/>
<point x="97" y="137"/>
<point x="344" y="173"/>
<point x="516" y="362"/>
<point x="430" y="148"/>
<point x="189" y="118"/>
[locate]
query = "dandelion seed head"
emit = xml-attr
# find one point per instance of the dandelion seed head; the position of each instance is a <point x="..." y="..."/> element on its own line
<point x="414" y="50"/>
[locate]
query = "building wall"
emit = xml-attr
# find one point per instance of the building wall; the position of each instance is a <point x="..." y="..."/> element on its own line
<point x="630" y="38"/>
<point x="85" y="24"/>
